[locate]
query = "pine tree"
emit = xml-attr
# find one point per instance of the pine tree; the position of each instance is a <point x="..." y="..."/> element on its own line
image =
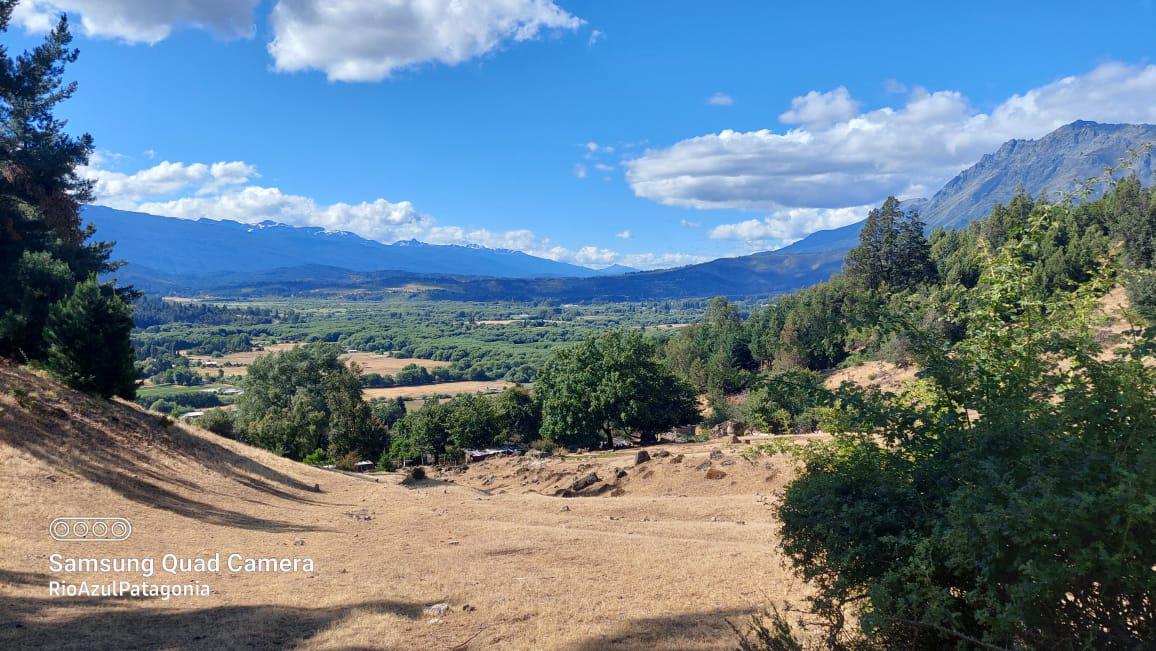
<point x="88" y="341"/>
<point x="892" y="251"/>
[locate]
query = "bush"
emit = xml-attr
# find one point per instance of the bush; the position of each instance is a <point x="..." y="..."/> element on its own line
<point x="545" y="445"/>
<point x="347" y="461"/>
<point x="317" y="458"/>
<point x="785" y="402"/>
<point x="219" y="422"/>
<point x="1010" y="504"/>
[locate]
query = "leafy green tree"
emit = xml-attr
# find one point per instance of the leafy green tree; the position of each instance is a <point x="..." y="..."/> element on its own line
<point x="422" y="431"/>
<point x="519" y="417"/>
<point x="89" y="345"/>
<point x="298" y="400"/>
<point x="1008" y="502"/>
<point x="609" y="384"/>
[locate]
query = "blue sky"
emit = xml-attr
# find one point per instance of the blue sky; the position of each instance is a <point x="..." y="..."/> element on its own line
<point x="649" y="134"/>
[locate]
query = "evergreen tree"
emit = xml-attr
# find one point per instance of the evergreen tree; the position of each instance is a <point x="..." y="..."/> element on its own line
<point x="892" y="251"/>
<point x="88" y="341"/>
<point x="43" y="245"/>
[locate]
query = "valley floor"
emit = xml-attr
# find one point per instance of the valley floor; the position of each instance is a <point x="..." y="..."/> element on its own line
<point x="659" y="558"/>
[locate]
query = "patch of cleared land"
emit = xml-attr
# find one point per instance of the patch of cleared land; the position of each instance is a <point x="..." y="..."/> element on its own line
<point x="443" y="389"/>
<point x="661" y="566"/>
<point x="237" y="363"/>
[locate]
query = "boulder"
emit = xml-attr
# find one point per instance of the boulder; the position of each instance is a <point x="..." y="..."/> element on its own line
<point x="585" y="481"/>
<point x="642" y="457"/>
<point x="659" y="454"/>
<point x="716" y="453"/>
<point x="677" y="458"/>
<point x="715" y="473"/>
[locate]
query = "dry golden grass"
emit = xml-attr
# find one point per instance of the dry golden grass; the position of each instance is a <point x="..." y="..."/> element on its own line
<point x="443" y="389"/>
<point x="883" y="375"/>
<point x="661" y="566"/>
<point x="369" y="362"/>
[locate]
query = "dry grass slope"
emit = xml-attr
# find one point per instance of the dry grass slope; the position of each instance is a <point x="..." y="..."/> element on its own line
<point x="661" y="565"/>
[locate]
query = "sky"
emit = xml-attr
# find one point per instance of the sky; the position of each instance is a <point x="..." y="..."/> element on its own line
<point x="639" y="133"/>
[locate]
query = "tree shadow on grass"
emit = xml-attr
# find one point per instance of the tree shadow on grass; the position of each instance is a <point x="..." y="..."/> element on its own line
<point x="669" y="633"/>
<point x="24" y="624"/>
<point x="116" y="446"/>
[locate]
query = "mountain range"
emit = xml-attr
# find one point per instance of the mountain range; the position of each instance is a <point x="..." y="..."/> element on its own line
<point x="204" y="247"/>
<point x="229" y="258"/>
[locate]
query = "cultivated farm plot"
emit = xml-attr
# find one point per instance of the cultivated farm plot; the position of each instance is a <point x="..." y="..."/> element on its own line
<point x="445" y="388"/>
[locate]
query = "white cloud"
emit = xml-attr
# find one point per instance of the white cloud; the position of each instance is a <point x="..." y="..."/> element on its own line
<point x="580" y="170"/>
<point x="720" y="99"/>
<point x="623" y="235"/>
<point x="595" y="36"/>
<point x="141" y="21"/>
<point x="820" y="109"/>
<point x="365" y="40"/>
<point x="840" y="157"/>
<point x="788" y="225"/>
<point x="689" y="224"/>
<point x="221" y="190"/>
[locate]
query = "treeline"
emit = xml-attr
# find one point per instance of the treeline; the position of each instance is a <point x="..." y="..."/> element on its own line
<point x="846" y="319"/>
<point x="1004" y="499"/>
<point x="305" y="403"/>
<point x="151" y="311"/>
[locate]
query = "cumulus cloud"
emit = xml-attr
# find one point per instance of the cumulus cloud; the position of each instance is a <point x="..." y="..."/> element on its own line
<point x="720" y="99"/>
<point x="222" y="190"/>
<point x="838" y="156"/>
<point x="580" y="170"/>
<point x="363" y="40"/>
<point x="141" y="21"/>
<point x="789" y="225"/>
<point x="595" y="36"/>
<point x="820" y="109"/>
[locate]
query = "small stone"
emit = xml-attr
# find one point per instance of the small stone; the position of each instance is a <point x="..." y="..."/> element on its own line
<point x="715" y="473"/>
<point x="661" y="453"/>
<point x="299" y="543"/>
<point x="619" y="473"/>
<point x="677" y="458"/>
<point x="468" y="608"/>
<point x="564" y="508"/>
<point x="716" y="453"/>
<point x="452" y="542"/>
<point x="617" y="492"/>
<point x="642" y="457"/>
<point x="436" y="610"/>
<point x="703" y="466"/>
<point x="728" y="462"/>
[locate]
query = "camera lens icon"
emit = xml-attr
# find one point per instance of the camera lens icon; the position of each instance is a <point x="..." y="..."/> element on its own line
<point x="90" y="529"/>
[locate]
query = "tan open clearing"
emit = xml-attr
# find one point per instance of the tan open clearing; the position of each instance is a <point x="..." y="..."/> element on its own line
<point x="661" y="566"/>
<point x="443" y="389"/>
<point x="369" y="362"/>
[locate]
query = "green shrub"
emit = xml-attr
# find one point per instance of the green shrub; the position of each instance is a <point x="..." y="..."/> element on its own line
<point x="317" y="457"/>
<point x="219" y="422"/>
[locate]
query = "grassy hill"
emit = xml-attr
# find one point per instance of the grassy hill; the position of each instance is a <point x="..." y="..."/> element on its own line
<point x="532" y="574"/>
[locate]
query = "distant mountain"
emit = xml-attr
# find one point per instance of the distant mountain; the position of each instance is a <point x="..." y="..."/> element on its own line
<point x="760" y="274"/>
<point x="204" y="247"/>
<point x="1049" y="165"/>
<point x="614" y="270"/>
